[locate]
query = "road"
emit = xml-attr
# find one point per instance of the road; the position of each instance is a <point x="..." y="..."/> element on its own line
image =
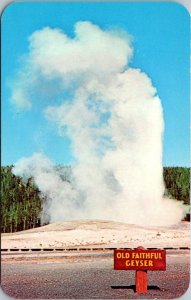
<point x="88" y="276"/>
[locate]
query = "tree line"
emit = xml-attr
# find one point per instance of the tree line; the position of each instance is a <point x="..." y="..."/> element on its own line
<point x="22" y="202"/>
<point x="177" y="183"/>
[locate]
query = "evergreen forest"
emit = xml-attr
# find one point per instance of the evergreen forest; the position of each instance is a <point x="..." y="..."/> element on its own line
<point x="21" y="201"/>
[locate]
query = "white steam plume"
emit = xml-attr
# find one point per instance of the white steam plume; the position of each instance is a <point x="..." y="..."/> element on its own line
<point x="115" y="122"/>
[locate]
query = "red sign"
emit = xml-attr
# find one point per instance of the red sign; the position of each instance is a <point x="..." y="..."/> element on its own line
<point x="140" y="260"/>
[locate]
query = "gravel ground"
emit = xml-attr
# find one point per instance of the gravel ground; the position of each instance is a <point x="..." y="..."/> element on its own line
<point x="88" y="277"/>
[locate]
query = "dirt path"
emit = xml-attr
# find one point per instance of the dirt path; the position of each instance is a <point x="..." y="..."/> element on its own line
<point x="90" y="277"/>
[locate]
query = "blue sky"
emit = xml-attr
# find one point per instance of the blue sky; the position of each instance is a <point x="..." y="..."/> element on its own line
<point x="161" y="49"/>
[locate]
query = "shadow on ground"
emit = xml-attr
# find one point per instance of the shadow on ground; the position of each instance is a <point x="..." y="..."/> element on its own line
<point x="133" y="287"/>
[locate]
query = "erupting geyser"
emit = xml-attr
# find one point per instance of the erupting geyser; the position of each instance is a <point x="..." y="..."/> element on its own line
<point x="114" y="120"/>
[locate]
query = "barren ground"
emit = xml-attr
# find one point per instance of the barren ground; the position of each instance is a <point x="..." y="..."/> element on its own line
<point x="99" y="234"/>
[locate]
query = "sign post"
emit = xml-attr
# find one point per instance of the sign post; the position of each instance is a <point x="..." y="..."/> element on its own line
<point x="141" y="282"/>
<point x="141" y="260"/>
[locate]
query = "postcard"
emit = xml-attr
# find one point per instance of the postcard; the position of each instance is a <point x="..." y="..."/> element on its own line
<point x="95" y="150"/>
